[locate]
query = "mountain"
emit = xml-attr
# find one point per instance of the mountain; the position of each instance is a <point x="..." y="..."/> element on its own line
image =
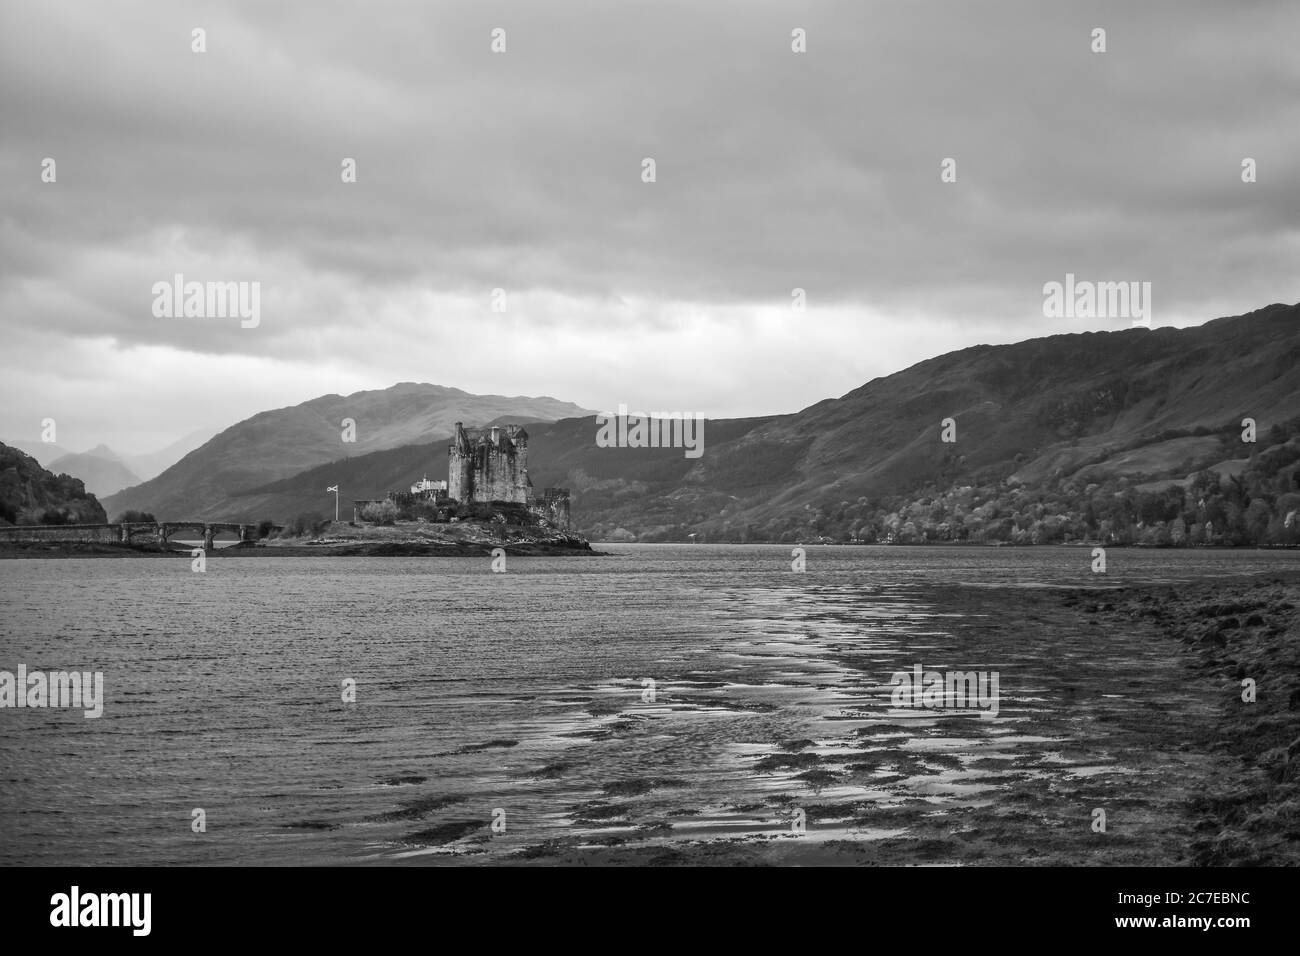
<point x="1048" y="416"/>
<point x="31" y="495"/>
<point x="1111" y="435"/>
<point x="271" y="445"/>
<point x="153" y="463"/>
<point x="100" y="468"/>
<point x="141" y="467"/>
<point x="366" y="476"/>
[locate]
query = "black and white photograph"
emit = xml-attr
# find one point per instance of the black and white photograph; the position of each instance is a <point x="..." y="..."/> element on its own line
<point x="650" y="434"/>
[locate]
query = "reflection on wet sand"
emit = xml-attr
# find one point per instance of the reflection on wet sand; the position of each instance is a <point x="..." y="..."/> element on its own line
<point x="793" y="713"/>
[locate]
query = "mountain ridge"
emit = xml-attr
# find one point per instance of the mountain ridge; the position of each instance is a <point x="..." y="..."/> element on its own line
<point x="1133" y="412"/>
<point x="277" y="443"/>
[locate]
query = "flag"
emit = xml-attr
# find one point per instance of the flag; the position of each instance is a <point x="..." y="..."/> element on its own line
<point x="332" y="488"/>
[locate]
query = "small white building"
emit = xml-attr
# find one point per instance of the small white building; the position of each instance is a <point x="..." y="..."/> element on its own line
<point x="425" y="486"/>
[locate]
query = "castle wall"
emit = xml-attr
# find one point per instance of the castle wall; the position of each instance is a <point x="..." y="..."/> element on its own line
<point x="553" y="507"/>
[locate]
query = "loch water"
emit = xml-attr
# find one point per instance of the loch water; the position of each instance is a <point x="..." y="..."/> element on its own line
<point x="631" y="694"/>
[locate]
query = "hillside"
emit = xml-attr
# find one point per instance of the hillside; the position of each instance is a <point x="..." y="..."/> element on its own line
<point x="31" y="495"/>
<point x="276" y="444"/>
<point x="1044" y="414"/>
<point x="1128" y="435"/>
<point x="151" y="464"/>
<point x="366" y="476"/>
<point x="102" y="471"/>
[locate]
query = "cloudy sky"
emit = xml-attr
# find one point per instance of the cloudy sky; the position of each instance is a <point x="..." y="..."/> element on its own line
<point x="522" y="171"/>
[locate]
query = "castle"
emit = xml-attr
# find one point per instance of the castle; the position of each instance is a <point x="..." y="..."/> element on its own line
<point x="484" y="466"/>
<point x="491" y="464"/>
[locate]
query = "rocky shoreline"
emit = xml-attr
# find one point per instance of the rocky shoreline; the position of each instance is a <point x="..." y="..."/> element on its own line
<point x="1237" y="635"/>
<point x="465" y="539"/>
<point x="64" y="549"/>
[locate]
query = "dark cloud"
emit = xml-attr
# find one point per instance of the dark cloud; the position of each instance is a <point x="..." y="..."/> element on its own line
<point x="522" y="171"/>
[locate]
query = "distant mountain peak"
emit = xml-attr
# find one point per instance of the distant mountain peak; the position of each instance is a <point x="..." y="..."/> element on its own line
<point x="100" y="469"/>
<point x="103" y="451"/>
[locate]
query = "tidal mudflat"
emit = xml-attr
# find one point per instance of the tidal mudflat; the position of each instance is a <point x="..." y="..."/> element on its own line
<point x="658" y="704"/>
<point x="1126" y="701"/>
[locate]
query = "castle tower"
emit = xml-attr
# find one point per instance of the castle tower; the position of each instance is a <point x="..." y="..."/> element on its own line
<point x="516" y="435"/>
<point x="489" y="465"/>
<point x="460" y="455"/>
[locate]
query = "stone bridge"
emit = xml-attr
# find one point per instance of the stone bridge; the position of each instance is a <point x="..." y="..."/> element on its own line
<point x="141" y="532"/>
